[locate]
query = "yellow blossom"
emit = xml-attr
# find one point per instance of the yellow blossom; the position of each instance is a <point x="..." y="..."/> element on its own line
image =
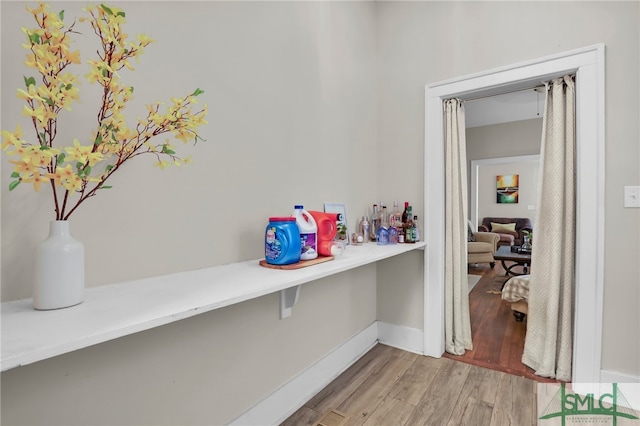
<point x="57" y="176"/>
<point x="74" y="183"/>
<point x="162" y="164"/>
<point x="43" y="157"/>
<point x="82" y="154"/>
<point x="144" y="39"/>
<point x="18" y="149"/>
<point x="12" y="138"/>
<point x="66" y="172"/>
<point x="23" y="168"/>
<point x="65" y="176"/>
<point x="184" y="135"/>
<point x="40" y="113"/>
<point x="72" y="56"/>
<point x="30" y="93"/>
<point x="37" y="179"/>
<point x="54" y="88"/>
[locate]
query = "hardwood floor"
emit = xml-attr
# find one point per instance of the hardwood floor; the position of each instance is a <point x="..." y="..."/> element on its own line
<point x="498" y="339"/>
<point x="388" y="386"/>
<point x="486" y="386"/>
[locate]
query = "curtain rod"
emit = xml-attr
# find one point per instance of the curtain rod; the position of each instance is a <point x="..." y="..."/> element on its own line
<point x="505" y="93"/>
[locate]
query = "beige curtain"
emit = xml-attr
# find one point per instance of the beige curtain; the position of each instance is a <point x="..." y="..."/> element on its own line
<point x="549" y="339"/>
<point x="457" y="321"/>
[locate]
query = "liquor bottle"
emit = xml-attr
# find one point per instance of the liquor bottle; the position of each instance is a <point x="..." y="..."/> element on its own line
<point x="416" y="229"/>
<point x="395" y="218"/>
<point x="395" y="215"/>
<point x="384" y="217"/>
<point x="382" y="236"/>
<point x="375" y="223"/>
<point x="393" y="235"/>
<point x="364" y="229"/>
<point x="408" y="230"/>
<point x="405" y="213"/>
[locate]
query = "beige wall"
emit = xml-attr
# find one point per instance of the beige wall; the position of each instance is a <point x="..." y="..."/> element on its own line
<point x="292" y="101"/>
<point x="402" y="276"/>
<point x="205" y="370"/>
<point x="527" y="192"/>
<point x="426" y="42"/>
<point x="335" y="93"/>
<point x="504" y="140"/>
<point x="498" y="141"/>
<point x="292" y="113"/>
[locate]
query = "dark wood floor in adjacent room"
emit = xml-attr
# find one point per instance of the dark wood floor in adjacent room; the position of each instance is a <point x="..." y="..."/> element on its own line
<point x="498" y="339"/>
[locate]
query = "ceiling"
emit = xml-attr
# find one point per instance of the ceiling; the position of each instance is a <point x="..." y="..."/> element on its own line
<point x="521" y="105"/>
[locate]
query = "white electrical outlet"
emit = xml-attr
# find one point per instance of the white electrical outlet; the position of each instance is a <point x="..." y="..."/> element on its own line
<point x="632" y="196"/>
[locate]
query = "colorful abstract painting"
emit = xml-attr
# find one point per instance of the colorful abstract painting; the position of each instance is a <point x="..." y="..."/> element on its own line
<point x="507" y="189"/>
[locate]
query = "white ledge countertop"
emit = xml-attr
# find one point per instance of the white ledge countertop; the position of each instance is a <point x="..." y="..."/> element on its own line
<point x="116" y="310"/>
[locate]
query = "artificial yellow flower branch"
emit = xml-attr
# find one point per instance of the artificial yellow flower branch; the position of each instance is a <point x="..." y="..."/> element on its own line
<point x="79" y="171"/>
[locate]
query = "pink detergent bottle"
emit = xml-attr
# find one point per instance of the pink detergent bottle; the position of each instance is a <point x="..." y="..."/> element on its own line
<point x="327" y="230"/>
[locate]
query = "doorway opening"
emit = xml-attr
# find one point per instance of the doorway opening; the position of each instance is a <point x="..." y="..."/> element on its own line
<point x="588" y="65"/>
<point x="494" y="149"/>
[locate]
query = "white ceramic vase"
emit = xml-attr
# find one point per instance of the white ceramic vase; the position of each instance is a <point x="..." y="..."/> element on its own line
<point x="59" y="280"/>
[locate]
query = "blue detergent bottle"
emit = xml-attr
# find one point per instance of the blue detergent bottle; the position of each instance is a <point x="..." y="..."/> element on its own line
<point x="282" y="241"/>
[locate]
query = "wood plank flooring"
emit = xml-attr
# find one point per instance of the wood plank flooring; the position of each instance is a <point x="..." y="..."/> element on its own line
<point x="388" y="386"/>
<point x="486" y="386"/>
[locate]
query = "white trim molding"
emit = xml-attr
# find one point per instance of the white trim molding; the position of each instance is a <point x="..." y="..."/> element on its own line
<point x="627" y="384"/>
<point x="278" y="406"/>
<point x="607" y="376"/>
<point x="588" y="65"/>
<point x="405" y="338"/>
<point x="282" y="403"/>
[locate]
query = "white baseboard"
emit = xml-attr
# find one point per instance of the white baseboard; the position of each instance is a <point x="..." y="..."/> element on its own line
<point x="615" y="377"/>
<point x="405" y="338"/>
<point x="627" y="384"/>
<point x="278" y="406"/>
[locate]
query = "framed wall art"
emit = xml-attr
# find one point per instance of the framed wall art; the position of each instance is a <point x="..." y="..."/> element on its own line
<point x="507" y="189"/>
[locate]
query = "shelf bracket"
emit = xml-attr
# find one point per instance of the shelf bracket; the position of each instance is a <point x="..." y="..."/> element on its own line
<point x="288" y="298"/>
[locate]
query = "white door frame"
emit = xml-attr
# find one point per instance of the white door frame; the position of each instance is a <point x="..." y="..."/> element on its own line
<point x="588" y="65"/>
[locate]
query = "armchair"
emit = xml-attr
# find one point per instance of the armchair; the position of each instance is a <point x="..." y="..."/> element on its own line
<point x="507" y="237"/>
<point x="482" y="248"/>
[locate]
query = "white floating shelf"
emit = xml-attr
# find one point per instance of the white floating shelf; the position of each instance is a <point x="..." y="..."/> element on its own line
<point x="117" y="310"/>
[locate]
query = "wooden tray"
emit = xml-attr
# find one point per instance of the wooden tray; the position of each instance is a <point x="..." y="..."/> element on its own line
<point x="301" y="264"/>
